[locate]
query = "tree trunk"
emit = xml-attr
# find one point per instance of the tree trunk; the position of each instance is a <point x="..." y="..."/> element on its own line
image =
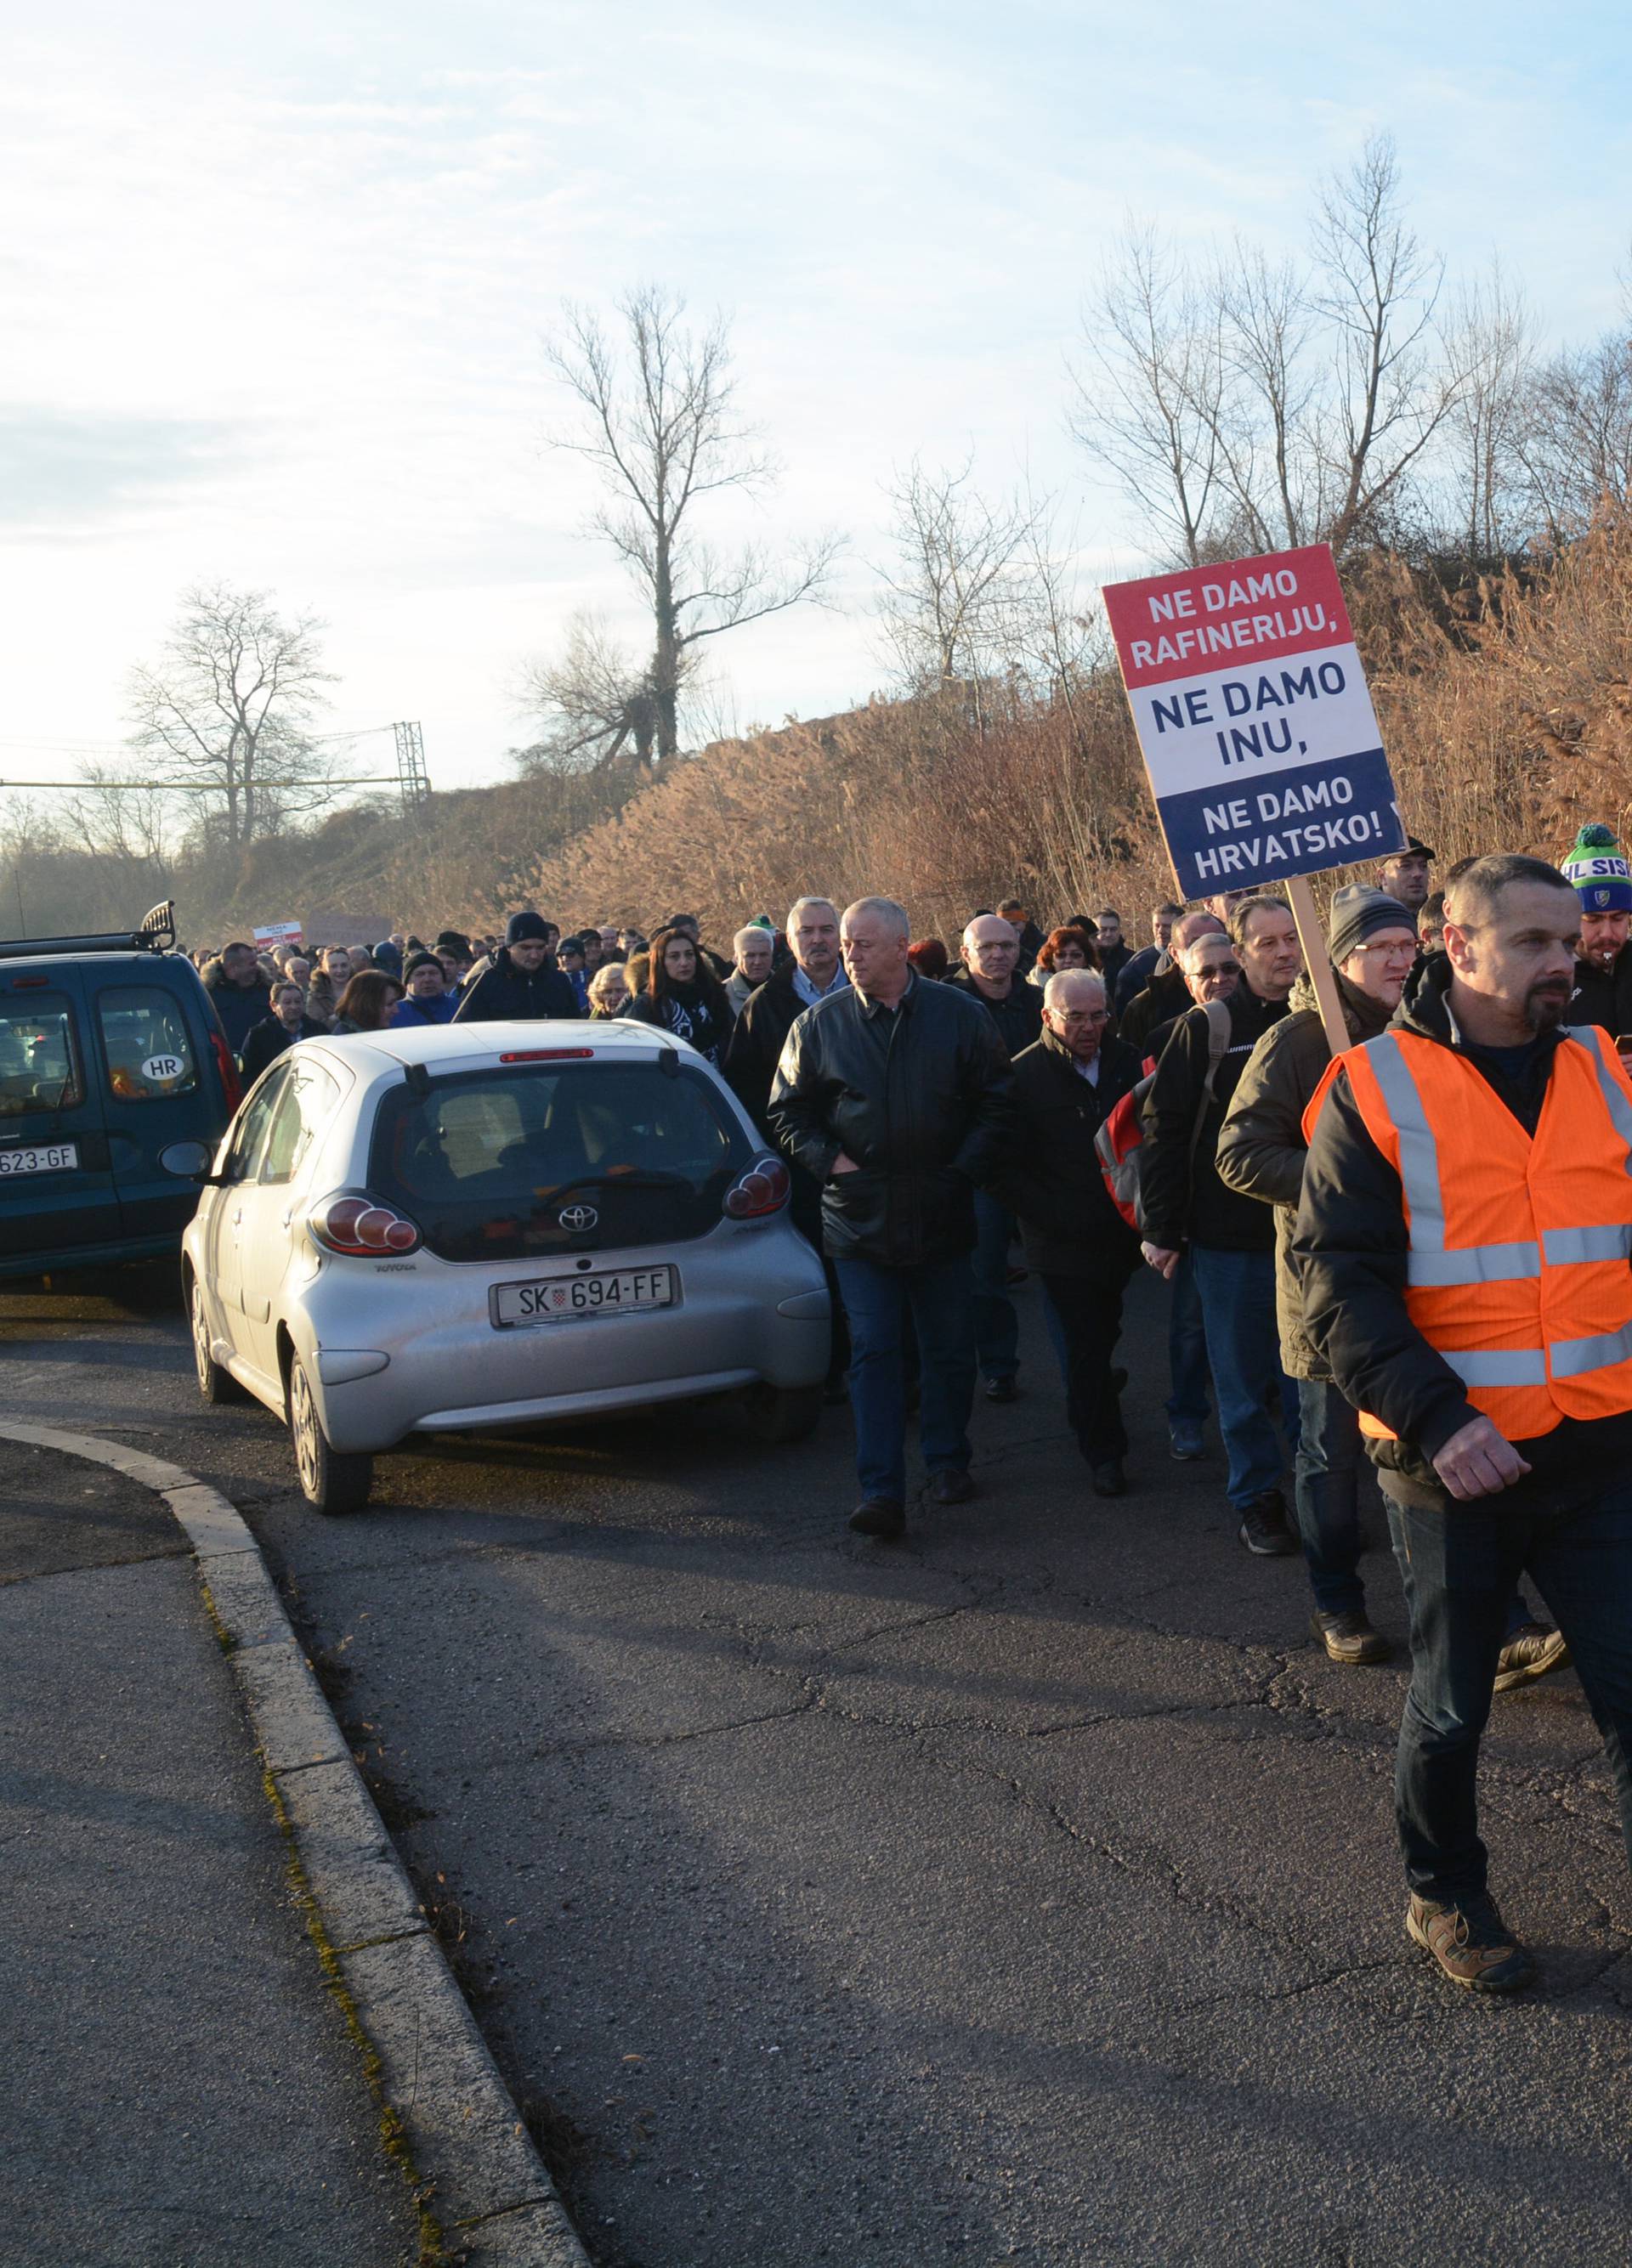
<point x="666" y="655"/>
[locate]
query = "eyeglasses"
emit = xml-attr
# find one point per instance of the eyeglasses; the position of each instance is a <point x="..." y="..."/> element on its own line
<point x="1219" y="968"/>
<point x="1083" y="1015"/>
<point x="1390" y="948"/>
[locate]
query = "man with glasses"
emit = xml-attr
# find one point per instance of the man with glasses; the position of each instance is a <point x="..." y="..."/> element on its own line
<point x="1066" y="1085"/>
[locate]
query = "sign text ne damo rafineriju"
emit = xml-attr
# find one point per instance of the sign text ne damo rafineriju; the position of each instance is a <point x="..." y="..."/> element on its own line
<point x="1255" y="721"/>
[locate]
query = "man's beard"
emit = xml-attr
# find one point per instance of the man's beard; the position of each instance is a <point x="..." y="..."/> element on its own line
<point x="1545" y="1005"/>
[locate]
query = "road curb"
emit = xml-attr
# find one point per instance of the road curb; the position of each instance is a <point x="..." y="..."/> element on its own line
<point x="486" y="2187"/>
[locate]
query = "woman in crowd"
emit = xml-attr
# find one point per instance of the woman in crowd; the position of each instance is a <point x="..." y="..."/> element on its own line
<point x="685" y="996"/>
<point x="609" y="991"/>
<point x="333" y="974"/>
<point x="1064" y="948"/>
<point x="366" y="1002"/>
<point x="929" y="957"/>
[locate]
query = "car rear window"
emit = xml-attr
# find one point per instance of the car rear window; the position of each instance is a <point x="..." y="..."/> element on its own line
<point x="486" y="1162"/>
<point x="39" y="1061"/>
<point x="150" y="1051"/>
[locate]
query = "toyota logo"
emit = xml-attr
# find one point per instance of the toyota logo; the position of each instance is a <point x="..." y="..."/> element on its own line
<point x="577" y="1217"/>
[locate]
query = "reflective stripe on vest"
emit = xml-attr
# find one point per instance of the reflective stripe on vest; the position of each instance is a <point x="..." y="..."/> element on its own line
<point x="1538" y="1327"/>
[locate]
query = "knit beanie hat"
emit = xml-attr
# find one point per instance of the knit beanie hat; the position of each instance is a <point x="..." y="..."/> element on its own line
<point x="1358" y="913"/>
<point x="520" y="927"/>
<point x="422" y="961"/>
<point x="1597" y="870"/>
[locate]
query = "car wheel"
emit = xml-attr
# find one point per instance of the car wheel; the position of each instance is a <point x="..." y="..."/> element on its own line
<point x="780" y="1413"/>
<point x="216" y="1384"/>
<point x="328" y="1481"/>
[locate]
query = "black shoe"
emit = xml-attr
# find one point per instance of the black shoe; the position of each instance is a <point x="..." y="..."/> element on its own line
<point x="1471" y="1942"/>
<point x="1533" y="1650"/>
<point x="1350" y="1638"/>
<point x="1001" y="1389"/>
<point x="1263" y="1528"/>
<point x="879" y="1515"/>
<point x="1186" y="1444"/>
<point x="952" y="1484"/>
<point x="1108" y="1478"/>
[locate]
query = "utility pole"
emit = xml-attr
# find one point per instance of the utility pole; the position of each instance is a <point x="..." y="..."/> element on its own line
<point x="411" y="769"/>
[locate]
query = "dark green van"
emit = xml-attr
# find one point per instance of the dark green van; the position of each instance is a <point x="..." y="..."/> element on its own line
<point x="110" y="1053"/>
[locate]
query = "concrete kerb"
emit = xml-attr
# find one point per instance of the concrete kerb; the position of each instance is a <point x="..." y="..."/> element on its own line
<point x="488" y="2191"/>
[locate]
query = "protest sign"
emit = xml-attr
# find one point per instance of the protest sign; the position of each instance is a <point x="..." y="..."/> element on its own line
<point x="271" y="933"/>
<point x="1254" y="719"/>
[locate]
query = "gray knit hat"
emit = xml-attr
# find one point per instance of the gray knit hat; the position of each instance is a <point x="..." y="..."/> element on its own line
<point x="1358" y="913"/>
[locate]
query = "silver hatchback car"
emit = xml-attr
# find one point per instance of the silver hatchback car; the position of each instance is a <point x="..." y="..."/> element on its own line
<point x="479" y="1225"/>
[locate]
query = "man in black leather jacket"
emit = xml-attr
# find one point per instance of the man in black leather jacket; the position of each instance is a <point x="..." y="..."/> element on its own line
<point x="895" y="1095"/>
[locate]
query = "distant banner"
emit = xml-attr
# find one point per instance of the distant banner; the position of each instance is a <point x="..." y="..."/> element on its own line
<point x="1255" y="720"/>
<point x="279" y="933"/>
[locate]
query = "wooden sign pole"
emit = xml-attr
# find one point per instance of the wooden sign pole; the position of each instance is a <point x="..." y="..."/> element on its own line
<point x="1318" y="961"/>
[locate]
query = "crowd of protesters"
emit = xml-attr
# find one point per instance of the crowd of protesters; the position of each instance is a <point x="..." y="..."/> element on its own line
<point x="1415" y="1250"/>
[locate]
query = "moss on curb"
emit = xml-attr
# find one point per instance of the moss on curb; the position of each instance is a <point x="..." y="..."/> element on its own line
<point x="432" y="2252"/>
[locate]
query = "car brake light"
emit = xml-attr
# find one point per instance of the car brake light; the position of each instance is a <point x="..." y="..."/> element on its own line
<point x="228" y="1070"/>
<point x="361" y="1227"/>
<point x="764" y="1189"/>
<point x="550" y="1054"/>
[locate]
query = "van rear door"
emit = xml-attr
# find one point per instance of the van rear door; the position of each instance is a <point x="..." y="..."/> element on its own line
<point x="56" y="1182"/>
<point x="158" y="1091"/>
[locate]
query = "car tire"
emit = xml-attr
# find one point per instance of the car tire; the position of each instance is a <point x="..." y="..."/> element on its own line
<point x="776" y="1414"/>
<point x="216" y="1384"/>
<point x="330" y="1482"/>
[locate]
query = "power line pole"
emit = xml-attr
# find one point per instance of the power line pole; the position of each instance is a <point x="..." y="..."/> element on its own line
<point x="411" y="769"/>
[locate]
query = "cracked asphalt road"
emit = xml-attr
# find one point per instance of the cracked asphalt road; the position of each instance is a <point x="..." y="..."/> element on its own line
<point x="1026" y="1892"/>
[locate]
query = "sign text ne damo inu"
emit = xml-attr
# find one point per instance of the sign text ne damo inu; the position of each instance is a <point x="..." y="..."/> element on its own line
<point x="1256" y="725"/>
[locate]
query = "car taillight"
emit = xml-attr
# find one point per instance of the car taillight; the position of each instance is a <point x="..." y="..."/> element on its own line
<point x="361" y="1227"/>
<point x="763" y="1189"/>
<point x="228" y="1070"/>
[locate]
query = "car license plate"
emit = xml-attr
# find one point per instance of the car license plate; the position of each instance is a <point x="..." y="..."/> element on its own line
<point x="568" y="1299"/>
<point x="47" y="1158"/>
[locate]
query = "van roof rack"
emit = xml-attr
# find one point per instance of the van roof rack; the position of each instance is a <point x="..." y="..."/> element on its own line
<point x="155" y="932"/>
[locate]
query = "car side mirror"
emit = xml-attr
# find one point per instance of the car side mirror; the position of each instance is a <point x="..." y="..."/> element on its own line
<point x="188" y="1161"/>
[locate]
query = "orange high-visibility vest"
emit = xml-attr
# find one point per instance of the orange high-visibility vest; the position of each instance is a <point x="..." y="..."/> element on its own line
<point x="1518" y="1272"/>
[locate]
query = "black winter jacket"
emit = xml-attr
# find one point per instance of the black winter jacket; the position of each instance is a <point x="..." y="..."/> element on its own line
<point x="1351" y="1248"/>
<point x="757" y="1038"/>
<point x="1182" y="1201"/>
<point x="271" y="1038"/>
<point x="1050" y="1176"/>
<point x="918" y="1096"/>
<point x="240" y="1006"/>
<point x="504" y="991"/>
<point x="1019" y="1019"/>
<point x="1137" y="971"/>
<point x="1165" y="997"/>
<point x="1603" y="996"/>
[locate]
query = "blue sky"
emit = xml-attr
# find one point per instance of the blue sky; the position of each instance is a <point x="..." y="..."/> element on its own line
<point x="275" y="307"/>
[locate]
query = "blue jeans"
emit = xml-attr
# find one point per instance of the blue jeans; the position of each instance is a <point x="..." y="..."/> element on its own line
<point x="1186" y="1353"/>
<point x="940" y="1299"/>
<point x="997" y="1326"/>
<point x="1460" y="1567"/>
<point x="1243" y="1351"/>
<point x="1330" y="1462"/>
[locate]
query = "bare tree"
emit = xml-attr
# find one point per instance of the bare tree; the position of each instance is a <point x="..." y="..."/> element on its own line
<point x="595" y="700"/>
<point x="662" y="428"/>
<point x="229" y="702"/>
<point x="1378" y="290"/>
<point x="1148" y="400"/>
<point x="1576" y="446"/>
<point x="1491" y="339"/>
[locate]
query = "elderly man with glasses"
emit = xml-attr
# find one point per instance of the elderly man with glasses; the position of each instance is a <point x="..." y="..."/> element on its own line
<point x="1066" y="1085"/>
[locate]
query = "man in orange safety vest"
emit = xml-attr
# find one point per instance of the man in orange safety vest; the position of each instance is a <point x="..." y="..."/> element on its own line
<point x="1465" y="1246"/>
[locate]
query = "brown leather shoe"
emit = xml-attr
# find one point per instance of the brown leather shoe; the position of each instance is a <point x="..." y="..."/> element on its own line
<point x="879" y="1515"/>
<point x="1471" y="1942"/>
<point x="1350" y="1640"/>
<point x="951" y="1485"/>
<point x="1533" y="1650"/>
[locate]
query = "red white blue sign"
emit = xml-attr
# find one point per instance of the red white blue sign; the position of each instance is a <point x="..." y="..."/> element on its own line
<point x="1255" y="720"/>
